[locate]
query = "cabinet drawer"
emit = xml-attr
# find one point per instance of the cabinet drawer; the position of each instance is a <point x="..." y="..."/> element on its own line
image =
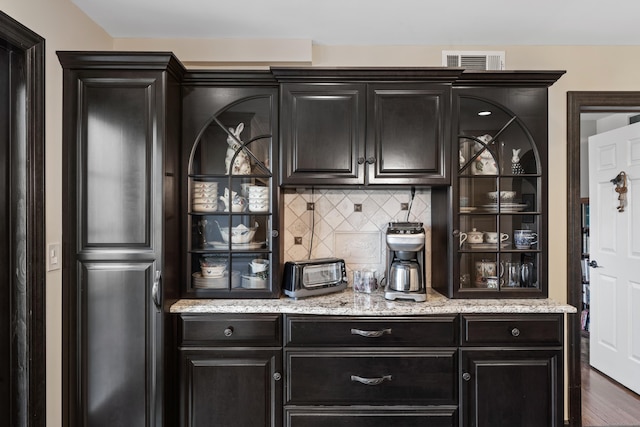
<point x="320" y="331"/>
<point x="543" y="329"/>
<point x="371" y="377"/>
<point x="347" y="417"/>
<point x="230" y="330"/>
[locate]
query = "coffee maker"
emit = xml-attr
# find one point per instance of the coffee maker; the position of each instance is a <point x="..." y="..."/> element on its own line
<point x="405" y="262"/>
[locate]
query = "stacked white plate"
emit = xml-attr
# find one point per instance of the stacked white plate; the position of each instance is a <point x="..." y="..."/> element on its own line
<point x="221" y="282"/>
<point x="204" y="196"/>
<point x="258" y="198"/>
<point x="505" y="207"/>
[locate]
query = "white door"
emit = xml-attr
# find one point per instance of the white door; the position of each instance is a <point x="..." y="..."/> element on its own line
<point x="615" y="246"/>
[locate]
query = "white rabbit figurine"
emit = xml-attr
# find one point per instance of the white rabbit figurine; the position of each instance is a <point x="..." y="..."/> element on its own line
<point x="241" y="164"/>
<point x="516" y="167"/>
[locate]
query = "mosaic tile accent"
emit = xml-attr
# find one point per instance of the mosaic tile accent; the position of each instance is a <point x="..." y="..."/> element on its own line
<point x="335" y="228"/>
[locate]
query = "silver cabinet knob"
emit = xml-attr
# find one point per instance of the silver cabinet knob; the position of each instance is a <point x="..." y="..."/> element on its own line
<point x="228" y="331"/>
<point x="466" y="376"/>
<point x="277" y="376"/>
<point x="515" y="332"/>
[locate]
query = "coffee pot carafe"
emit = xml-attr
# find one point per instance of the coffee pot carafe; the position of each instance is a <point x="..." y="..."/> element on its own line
<point x="405" y="261"/>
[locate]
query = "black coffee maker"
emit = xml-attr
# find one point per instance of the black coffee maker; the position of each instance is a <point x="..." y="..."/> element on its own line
<point x="405" y="262"/>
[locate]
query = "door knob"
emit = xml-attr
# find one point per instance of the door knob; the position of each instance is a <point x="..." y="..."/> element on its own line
<point x="594" y="264"/>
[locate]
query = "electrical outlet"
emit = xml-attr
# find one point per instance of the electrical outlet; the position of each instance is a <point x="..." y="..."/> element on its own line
<point x="311" y="206"/>
<point x="54" y="257"/>
<point x="404" y="206"/>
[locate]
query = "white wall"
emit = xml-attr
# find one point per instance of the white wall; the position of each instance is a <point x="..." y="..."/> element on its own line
<point x="605" y="68"/>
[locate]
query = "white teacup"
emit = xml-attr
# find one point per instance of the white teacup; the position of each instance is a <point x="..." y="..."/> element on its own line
<point x="492" y="237"/>
<point x="259" y="265"/>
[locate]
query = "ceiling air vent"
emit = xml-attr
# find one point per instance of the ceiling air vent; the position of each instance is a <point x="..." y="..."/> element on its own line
<point x="474" y="60"/>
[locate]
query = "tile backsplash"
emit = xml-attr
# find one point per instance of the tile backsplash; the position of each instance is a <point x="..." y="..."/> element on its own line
<point x="350" y="224"/>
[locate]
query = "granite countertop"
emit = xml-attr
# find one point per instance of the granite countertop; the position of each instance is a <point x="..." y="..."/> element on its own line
<point x="348" y="303"/>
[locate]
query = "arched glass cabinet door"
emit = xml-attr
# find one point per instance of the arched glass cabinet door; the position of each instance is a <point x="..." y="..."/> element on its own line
<point x="497" y="200"/>
<point x="231" y="202"/>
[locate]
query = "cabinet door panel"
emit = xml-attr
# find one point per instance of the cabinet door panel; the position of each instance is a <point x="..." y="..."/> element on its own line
<point x="231" y="388"/>
<point x="406" y="136"/>
<point x="115" y="342"/>
<point x="512" y="388"/>
<point x="323" y="133"/>
<point x="116" y="145"/>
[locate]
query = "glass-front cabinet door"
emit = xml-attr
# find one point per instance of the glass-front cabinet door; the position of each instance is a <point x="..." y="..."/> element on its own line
<point x="230" y="199"/>
<point x="499" y="195"/>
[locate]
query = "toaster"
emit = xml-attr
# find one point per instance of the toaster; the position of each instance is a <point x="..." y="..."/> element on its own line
<point x="311" y="277"/>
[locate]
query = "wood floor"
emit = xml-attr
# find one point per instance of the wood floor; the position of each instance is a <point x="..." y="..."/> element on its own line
<point x="605" y="402"/>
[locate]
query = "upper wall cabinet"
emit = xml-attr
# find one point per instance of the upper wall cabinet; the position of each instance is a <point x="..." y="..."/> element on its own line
<point x="364" y="126"/>
<point x="229" y="188"/>
<point x="498" y="227"/>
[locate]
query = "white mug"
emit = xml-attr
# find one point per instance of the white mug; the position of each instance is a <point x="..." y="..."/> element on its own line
<point x="492" y="237"/>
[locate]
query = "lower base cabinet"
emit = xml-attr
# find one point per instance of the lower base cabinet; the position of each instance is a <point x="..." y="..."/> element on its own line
<point x="230" y="370"/>
<point x="512" y="370"/>
<point x="512" y="388"/>
<point x="470" y="370"/>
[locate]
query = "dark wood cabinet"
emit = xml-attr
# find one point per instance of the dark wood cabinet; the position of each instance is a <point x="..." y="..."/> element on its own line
<point x="512" y="370"/>
<point x="468" y="370"/>
<point x="365" y="127"/>
<point x="231" y="370"/>
<point x="498" y="193"/>
<point x="230" y="118"/>
<point x="120" y="234"/>
<point x="407" y="134"/>
<point x="370" y="364"/>
<point x="323" y="133"/>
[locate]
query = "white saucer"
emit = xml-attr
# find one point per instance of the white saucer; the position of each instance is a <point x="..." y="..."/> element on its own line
<point x="490" y="246"/>
<point x="237" y="246"/>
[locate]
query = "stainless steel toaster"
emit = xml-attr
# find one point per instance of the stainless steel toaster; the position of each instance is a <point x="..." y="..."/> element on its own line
<point x="311" y="277"/>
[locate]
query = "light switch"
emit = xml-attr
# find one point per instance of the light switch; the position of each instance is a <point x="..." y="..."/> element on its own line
<point x="54" y="257"/>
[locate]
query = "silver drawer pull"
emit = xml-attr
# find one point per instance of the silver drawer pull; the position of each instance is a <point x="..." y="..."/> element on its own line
<point x="515" y="332"/>
<point x="370" y="381"/>
<point x="371" y="334"/>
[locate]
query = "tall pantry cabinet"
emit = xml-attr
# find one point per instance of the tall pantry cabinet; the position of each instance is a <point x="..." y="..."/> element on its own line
<point x="121" y="223"/>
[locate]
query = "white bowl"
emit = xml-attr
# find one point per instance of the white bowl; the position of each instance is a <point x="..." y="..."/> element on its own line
<point x="216" y="270"/>
<point x="239" y="234"/>
<point x="504" y="195"/>
<point x="205" y="185"/>
<point x="258" y="208"/>
<point x="205" y="201"/>
<point x="205" y="207"/>
<point x="207" y="192"/>
<point x="250" y="281"/>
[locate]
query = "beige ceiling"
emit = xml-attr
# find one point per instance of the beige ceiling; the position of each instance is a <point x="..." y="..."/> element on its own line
<point x="376" y="22"/>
